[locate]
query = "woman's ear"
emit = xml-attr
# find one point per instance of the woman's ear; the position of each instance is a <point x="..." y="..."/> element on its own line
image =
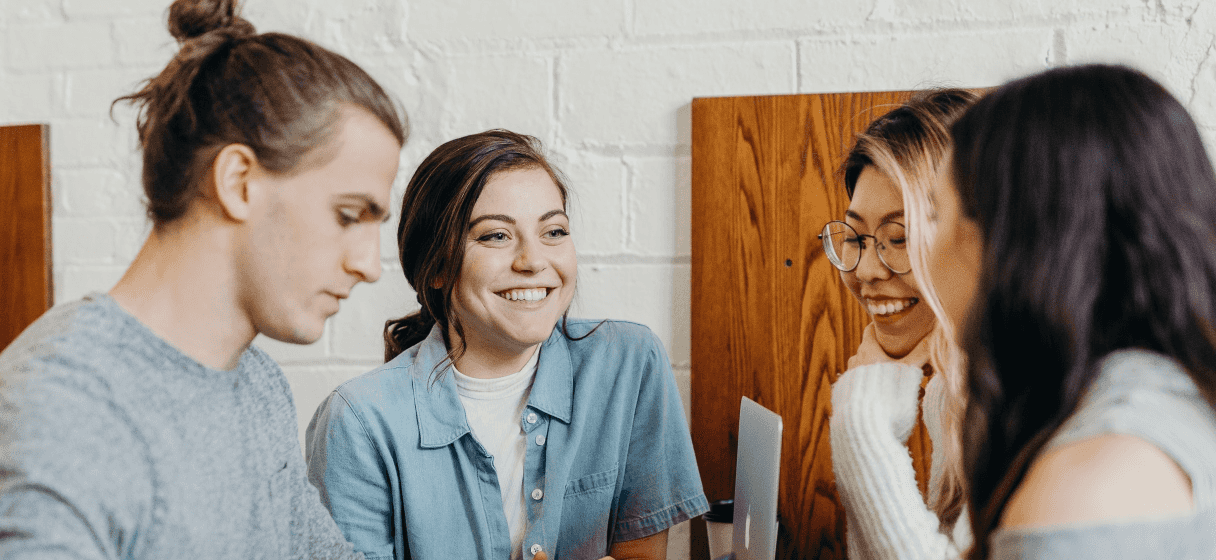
<point x="231" y="172"/>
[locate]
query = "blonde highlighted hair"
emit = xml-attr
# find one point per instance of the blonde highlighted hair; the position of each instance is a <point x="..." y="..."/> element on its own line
<point x="908" y="145"/>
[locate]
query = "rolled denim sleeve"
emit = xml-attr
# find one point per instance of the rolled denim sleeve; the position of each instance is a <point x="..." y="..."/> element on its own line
<point x="662" y="486"/>
<point x="348" y="470"/>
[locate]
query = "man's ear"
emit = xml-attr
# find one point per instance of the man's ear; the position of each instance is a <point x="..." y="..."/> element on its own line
<point x="232" y="169"/>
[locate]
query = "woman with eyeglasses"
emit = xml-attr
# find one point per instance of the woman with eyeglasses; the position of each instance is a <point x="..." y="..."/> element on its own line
<point x="876" y="403"/>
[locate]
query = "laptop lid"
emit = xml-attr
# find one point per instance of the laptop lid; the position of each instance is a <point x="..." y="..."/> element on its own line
<point x="757" y="470"/>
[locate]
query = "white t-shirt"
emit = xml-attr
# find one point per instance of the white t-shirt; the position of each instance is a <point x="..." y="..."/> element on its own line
<point x="494" y="408"/>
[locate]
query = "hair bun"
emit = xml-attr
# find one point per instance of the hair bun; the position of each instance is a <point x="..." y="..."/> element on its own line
<point x="192" y="18"/>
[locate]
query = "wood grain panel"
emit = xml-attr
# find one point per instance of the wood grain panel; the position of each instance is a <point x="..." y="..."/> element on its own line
<point x="771" y="318"/>
<point x="25" y="228"/>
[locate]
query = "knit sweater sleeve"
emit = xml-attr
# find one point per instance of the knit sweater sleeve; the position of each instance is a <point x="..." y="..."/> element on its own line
<point x="874" y="410"/>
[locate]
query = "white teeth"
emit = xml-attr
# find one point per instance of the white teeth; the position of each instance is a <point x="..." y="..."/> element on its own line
<point x="534" y="294"/>
<point x="888" y="307"/>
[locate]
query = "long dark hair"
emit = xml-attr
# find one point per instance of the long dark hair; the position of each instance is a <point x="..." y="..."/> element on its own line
<point x="435" y="217"/>
<point x="278" y="94"/>
<point x="1097" y="204"/>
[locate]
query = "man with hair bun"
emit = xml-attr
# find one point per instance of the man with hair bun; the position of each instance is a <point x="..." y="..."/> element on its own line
<point x="142" y="423"/>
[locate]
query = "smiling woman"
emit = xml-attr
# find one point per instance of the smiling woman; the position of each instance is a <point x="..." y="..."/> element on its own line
<point x="499" y="428"/>
<point x="877" y="403"/>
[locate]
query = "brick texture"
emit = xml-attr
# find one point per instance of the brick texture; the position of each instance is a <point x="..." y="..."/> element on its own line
<point x="607" y="86"/>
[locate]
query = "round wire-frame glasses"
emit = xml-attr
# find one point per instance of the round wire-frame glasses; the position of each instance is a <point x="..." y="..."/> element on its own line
<point x="844" y="246"/>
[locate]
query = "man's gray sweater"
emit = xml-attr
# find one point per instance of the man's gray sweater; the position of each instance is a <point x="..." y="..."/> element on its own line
<point x="114" y="444"/>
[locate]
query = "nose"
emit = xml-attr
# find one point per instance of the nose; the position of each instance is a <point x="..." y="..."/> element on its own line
<point x="871" y="269"/>
<point x="529" y="256"/>
<point x="363" y="257"/>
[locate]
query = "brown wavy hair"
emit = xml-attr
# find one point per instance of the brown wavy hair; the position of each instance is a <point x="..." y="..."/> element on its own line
<point x="278" y="94"/>
<point x="435" y="215"/>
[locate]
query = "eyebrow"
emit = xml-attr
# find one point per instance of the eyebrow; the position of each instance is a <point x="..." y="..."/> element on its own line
<point x="887" y="218"/>
<point x="371" y="206"/>
<point x="510" y="220"/>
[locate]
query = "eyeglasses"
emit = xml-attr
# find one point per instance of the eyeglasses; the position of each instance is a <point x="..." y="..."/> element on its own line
<point x="844" y="246"/>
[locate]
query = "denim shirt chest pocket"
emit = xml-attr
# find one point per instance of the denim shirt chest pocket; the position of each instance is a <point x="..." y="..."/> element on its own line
<point x="588" y="502"/>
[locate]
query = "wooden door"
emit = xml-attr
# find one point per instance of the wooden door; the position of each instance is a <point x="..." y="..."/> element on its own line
<point x="25" y="228"/>
<point x="771" y="318"/>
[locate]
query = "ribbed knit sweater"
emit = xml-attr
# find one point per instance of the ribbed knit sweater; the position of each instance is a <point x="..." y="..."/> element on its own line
<point x="874" y="409"/>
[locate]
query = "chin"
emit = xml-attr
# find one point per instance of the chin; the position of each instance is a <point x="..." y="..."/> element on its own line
<point x="533" y="335"/>
<point x="302" y="332"/>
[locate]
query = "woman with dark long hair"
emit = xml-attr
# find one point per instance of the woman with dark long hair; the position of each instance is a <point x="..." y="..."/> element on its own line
<point x="1076" y="247"/>
<point x="498" y="428"/>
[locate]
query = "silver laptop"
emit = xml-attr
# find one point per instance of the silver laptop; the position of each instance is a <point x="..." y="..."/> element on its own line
<point x="757" y="470"/>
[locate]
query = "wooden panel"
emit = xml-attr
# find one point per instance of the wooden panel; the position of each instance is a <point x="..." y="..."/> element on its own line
<point x="771" y="318"/>
<point x="25" y="228"/>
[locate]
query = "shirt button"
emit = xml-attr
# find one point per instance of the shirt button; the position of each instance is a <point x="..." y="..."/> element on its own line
<point x="540" y="439"/>
<point x="532" y="420"/>
<point x="535" y="548"/>
<point x="536" y="495"/>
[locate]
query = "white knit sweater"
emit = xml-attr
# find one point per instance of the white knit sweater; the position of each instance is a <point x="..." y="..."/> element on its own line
<point x="873" y="413"/>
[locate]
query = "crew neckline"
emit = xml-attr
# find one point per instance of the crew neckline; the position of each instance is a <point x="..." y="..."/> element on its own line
<point x="497" y="387"/>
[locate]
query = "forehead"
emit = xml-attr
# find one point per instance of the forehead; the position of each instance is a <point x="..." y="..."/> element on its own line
<point x="519" y="192"/>
<point x="875" y="196"/>
<point x="361" y="160"/>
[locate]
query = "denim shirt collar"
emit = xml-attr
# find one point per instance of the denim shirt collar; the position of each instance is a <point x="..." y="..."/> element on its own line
<point x="441" y="416"/>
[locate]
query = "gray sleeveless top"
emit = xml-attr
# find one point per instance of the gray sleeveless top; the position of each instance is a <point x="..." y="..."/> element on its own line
<point x="1149" y="396"/>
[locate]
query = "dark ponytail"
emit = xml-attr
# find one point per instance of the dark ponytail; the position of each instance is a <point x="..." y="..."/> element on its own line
<point x="278" y="94"/>
<point x="400" y="334"/>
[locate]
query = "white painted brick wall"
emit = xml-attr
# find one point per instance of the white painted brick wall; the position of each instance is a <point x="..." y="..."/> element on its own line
<point x="632" y="96"/>
<point x="606" y="84"/>
<point x="902" y="60"/>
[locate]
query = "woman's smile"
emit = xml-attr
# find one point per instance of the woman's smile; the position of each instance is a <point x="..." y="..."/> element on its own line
<point x="891" y="310"/>
<point x="525" y="295"/>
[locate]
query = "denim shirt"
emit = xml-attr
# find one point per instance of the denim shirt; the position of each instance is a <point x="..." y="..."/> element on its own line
<point x="609" y="456"/>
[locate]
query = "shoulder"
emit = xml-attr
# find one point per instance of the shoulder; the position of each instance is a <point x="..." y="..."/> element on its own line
<point x="1141" y="371"/>
<point x="1150" y="396"/>
<point x="621" y="336"/>
<point x="614" y="353"/>
<point x="66" y="339"/>
<point x="1139" y="435"/>
<point x="63" y="396"/>
<point x="1192" y="536"/>
<point x="74" y="352"/>
<point x="386" y="385"/>
<point x="616" y="348"/>
<point x="1106" y="478"/>
<point x="381" y="400"/>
